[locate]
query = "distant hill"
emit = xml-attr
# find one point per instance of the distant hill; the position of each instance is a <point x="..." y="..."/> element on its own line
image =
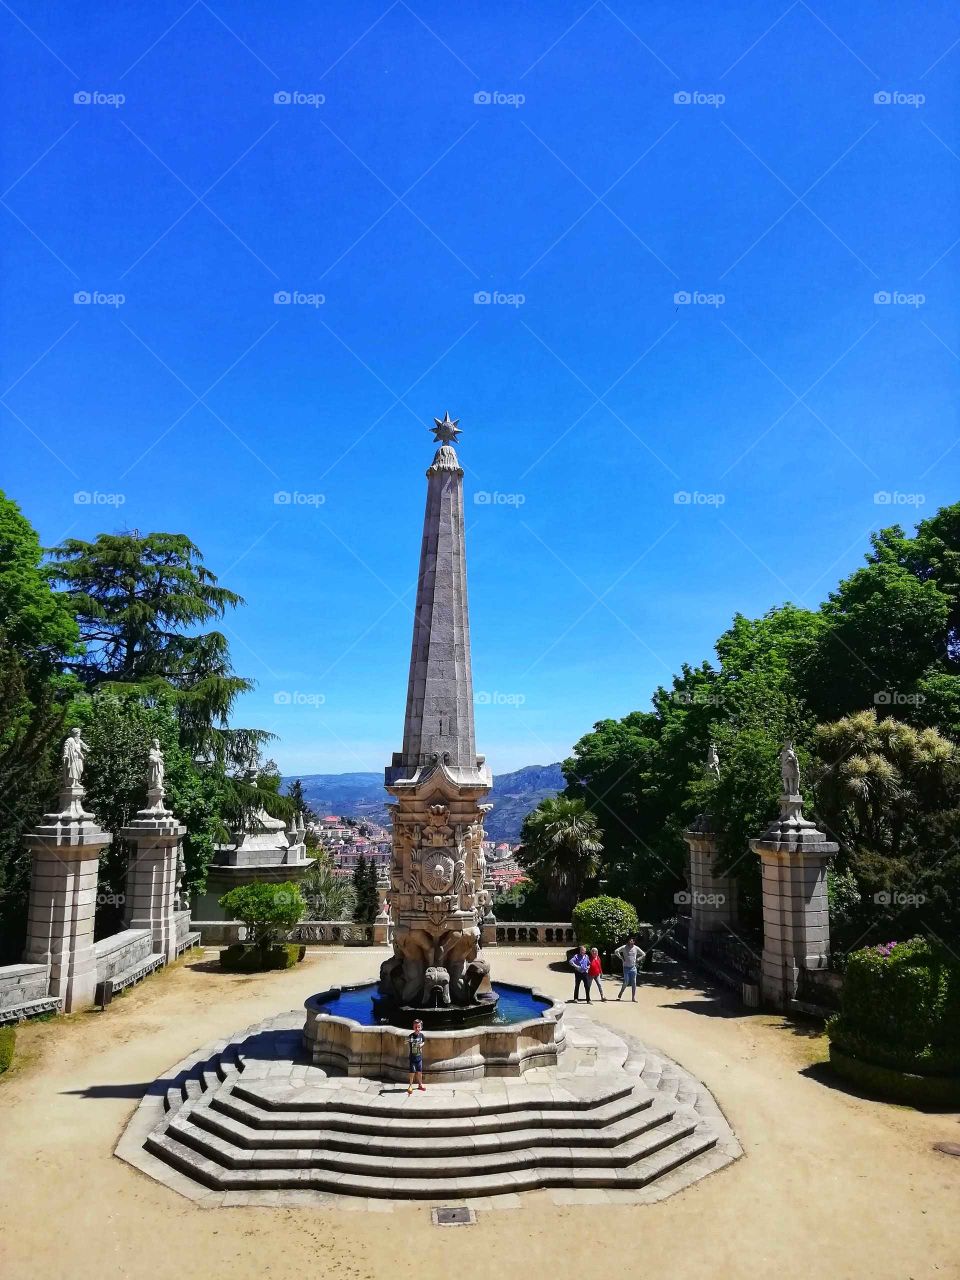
<point x="361" y="795"/>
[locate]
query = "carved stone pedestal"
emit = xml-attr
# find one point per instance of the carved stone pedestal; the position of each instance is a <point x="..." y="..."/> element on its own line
<point x="713" y="897"/>
<point x="152" y="874"/>
<point x="794" y="856"/>
<point x="66" y="848"/>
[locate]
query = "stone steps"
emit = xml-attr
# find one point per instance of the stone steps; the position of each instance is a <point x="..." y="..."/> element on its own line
<point x="675" y="1151"/>
<point x="438" y="1166"/>
<point x="427" y="1142"/>
<point x="406" y="1120"/>
<point x="236" y="1119"/>
<point x="438" y="1102"/>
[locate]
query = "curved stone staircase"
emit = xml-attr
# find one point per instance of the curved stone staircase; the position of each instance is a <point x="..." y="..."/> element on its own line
<point x="251" y="1115"/>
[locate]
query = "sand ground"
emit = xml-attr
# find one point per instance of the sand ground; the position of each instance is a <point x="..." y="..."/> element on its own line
<point x="831" y="1184"/>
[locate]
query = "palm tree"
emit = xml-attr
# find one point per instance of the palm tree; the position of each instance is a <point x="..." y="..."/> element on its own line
<point x="560" y="846"/>
<point x="330" y="897"/>
<point x="876" y="775"/>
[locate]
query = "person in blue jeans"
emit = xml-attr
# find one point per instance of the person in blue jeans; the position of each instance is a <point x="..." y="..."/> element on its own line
<point x="631" y="957"/>
<point x="580" y="963"/>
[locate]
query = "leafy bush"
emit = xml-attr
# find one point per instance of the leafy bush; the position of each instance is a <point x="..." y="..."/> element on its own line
<point x="267" y="910"/>
<point x="900" y="1008"/>
<point x="897" y="1086"/>
<point x="243" y="959"/>
<point x="604" y="922"/>
<point x="8" y="1039"/>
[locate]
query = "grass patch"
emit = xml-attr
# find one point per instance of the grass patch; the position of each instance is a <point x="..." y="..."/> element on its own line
<point x="8" y="1040"/>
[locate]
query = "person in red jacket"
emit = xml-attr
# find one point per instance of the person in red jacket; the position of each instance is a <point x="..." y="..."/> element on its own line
<point x="595" y="973"/>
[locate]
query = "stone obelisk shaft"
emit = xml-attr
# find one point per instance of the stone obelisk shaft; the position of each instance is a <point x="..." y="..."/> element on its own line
<point x="439" y="712"/>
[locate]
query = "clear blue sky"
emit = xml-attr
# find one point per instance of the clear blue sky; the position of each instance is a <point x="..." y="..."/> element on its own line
<point x="597" y="399"/>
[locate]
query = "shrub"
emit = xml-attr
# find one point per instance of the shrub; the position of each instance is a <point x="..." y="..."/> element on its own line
<point x="604" y="922"/>
<point x="243" y="959"/>
<point x="8" y="1039"/>
<point x="267" y="910"/>
<point x="900" y="1009"/>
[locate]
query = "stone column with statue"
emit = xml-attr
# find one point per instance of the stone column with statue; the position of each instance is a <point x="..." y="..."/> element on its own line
<point x="713" y="896"/>
<point x="155" y="869"/>
<point x="794" y="856"/>
<point x="65" y="849"/>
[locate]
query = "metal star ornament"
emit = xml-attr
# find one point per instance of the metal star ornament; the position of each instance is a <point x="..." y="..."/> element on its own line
<point x="445" y="432"/>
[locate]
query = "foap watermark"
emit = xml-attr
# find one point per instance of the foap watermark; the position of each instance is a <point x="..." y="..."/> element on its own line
<point x="295" y="298"/>
<point x="894" y="698"/>
<point x="694" y="98"/>
<point x="896" y="298"/>
<point x="493" y="498"/>
<point x="894" y="98"/>
<point x="891" y="898"/>
<point x="296" y="98"/>
<point x="94" y="298"/>
<point x="894" y="498"/>
<point x="294" y="498"/>
<point x="94" y="498"/>
<point x="297" y="698"/>
<point x="494" y="98"/>
<point x="494" y="298"/>
<point x="494" y="698"/>
<point x="94" y="98"/>
<point x="694" y="498"/>
<point x="685" y="899"/>
<point x="111" y="899"/>
<point x="700" y="698"/>
<point x="686" y="298"/>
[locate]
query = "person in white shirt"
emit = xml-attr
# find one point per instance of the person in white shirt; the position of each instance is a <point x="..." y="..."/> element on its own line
<point x="631" y="957"/>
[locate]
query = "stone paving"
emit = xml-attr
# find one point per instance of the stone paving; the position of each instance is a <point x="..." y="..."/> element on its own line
<point x="250" y="1121"/>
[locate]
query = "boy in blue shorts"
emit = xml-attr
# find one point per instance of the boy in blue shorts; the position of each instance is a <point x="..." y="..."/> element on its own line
<point x="415" y="1042"/>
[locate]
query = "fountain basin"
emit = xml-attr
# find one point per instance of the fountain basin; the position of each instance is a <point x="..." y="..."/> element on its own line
<point x="353" y="1042"/>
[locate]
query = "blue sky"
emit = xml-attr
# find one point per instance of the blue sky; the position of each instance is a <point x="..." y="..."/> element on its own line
<point x="584" y="164"/>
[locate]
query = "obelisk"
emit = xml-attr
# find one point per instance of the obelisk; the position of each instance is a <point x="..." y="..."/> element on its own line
<point x="439" y="781"/>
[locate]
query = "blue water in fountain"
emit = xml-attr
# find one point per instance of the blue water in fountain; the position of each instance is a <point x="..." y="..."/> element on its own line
<point x="516" y="1004"/>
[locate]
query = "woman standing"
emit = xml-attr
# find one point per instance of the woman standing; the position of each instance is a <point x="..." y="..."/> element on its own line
<point x="595" y="974"/>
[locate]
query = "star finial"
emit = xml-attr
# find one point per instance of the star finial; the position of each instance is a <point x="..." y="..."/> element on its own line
<point x="445" y="432"/>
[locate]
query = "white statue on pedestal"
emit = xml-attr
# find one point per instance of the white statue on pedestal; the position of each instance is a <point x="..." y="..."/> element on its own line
<point x="155" y="776"/>
<point x="713" y="761"/>
<point x="790" y="770"/>
<point x="74" y="750"/>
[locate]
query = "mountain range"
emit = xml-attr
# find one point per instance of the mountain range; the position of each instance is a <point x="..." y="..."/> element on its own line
<point x="361" y="795"/>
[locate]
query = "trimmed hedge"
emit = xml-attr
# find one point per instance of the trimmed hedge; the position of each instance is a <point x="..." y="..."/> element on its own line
<point x="897" y="1086"/>
<point x="241" y="958"/>
<point x="899" y="1021"/>
<point x="604" y="922"/>
<point x="8" y="1040"/>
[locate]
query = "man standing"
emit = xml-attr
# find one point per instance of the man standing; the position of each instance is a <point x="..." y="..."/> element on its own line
<point x="631" y="958"/>
<point x="581" y="973"/>
<point x="415" y="1043"/>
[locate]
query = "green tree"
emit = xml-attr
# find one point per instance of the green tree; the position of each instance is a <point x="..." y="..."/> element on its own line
<point x="328" y="896"/>
<point x="560" y="847"/>
<point x="139" y="602"/>
<point x="35" y="621"/>
<point x="300" y="803"/>
<point x="361" y="890"/>
<point x="31" y="730"/>
<point x="267" y="910"/>
<point x="890" y="794"/>
<point x="118" y="727"/>
<point x="604" y="922"/>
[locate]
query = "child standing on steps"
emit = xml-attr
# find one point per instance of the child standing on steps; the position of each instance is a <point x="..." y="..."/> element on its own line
<point x="415" y="1043"/>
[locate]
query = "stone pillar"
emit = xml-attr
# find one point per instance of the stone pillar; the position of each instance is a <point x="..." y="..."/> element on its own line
<point x="153" y="873"/>
<point x="794" y="855"/>
<point x="713" y="897"/>
<point x="66" y="848"/>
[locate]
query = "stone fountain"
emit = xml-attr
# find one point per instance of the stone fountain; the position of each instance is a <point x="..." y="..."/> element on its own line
<point x="437" y="971"/>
